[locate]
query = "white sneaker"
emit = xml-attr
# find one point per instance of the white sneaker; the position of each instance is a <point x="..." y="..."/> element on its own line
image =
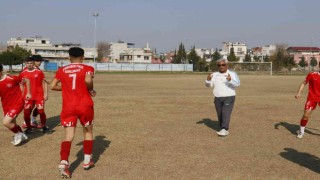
<point x="223" y="132"/>
<point x="18" y="138"/>
<point x="64" y="169"/>
<point x="24" y="136"/>
<point x="300" y="135"/>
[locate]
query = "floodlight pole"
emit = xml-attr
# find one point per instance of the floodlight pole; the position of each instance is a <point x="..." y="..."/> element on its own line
<point x="95" y="15"/>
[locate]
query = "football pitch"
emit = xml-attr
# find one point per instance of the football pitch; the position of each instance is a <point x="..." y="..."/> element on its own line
<point x="163" y="126"/>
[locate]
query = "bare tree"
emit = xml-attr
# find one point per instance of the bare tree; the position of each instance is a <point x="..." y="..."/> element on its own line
<point x="103" y="50"/>
<point x="281" y="59"/>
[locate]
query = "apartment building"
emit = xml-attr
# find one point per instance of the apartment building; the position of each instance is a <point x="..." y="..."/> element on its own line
<point x="43" y="47"/>
<point x="122" y="52"/>
<point x="240" y="49"/>
<point x="263" y="51"/>
<point x="307" y="52"/>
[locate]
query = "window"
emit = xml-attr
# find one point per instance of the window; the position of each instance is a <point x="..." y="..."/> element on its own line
<point x="29" y="40"/>
<point x="239" y="49"/>
<point x="146" y="58"/>
<point x="139" y="56"/>
<point x="43" y="41"/>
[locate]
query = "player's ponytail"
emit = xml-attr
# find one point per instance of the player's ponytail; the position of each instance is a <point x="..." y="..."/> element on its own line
<point x="1" y="68"/>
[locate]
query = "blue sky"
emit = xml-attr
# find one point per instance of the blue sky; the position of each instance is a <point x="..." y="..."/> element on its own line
<point x="165" y="23"/>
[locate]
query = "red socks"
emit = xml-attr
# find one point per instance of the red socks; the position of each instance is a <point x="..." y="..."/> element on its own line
<point x="43" y="117"/>
<point x="16" y="129"/>
<point x="66" y="146"/>
<point x="303" y="122"/>
<point x="87" y="147"/>
<point x="27" y="120"/>
<point x="65" y="150"/>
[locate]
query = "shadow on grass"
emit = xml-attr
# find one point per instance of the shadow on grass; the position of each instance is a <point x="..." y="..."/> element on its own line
<point x="293" y="128"/>
<point x="215" y="125"/>
<point x="52" y="123"/>
<point x="303" y="159"/>
<point x="100" y="145"/>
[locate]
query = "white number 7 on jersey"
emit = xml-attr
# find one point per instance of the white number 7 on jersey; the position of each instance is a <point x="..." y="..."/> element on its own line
<point x="74" y="77"/>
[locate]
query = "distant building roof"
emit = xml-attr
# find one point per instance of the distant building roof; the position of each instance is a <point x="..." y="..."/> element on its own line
<point x="303" y="49"/>
<point x="257" y="49"/>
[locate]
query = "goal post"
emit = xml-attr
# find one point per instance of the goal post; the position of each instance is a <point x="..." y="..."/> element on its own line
<point x="251" y="67"/>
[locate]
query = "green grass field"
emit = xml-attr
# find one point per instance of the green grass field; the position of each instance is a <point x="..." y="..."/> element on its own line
<point x="163" y="126"/>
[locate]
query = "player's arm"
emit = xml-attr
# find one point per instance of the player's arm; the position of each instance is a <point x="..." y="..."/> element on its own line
<point x="301" y="87"/>
<point x="21" y="83"/>
<point x="21" y="87"/>
<point x="89" y="83"/>
<point x="233" y="79"/>
<point x="48" y="83"/>
<point x="27" y="81"/>
<point x="209" y="80"/>
<point x="55" y="85"/>
<point x="45" y="89"/>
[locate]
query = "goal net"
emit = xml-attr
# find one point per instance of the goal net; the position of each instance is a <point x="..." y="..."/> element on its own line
<point x="251" y="67"/>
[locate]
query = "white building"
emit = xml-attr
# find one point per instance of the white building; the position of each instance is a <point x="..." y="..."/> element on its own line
<point x="268" y="50"/>
<point x="263" y="51"/>
<point x="117" y="48"/>
<point x="122" y="52"/>
<point x="205" y="53"/>
<point x="43" y="47"/>
<point x="240" y="49"/>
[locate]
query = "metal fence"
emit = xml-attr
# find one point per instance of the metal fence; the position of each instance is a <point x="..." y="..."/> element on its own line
<point x="144" y="67"/>
<point x="53" y="66"/>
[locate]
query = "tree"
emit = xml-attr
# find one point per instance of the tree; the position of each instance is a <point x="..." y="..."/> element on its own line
<point x="194" y="58"/>
<point x="14" y="57"/>
<point x="247" y="58"/>
<point x="175" y="56"/>
<point x="181" y="55"/>
<point x="302" y="62"/>
<point x="266" y="59"/>
<point x="162" y="57"/>
<point x="203" y="64"/>
<point x="256" y="58"/>
<point x="279" y="57"/>
<point x="290" y="63"/>
<point x="313" y="62"/>
<point x="6" y="58"/>
<point x="103" y="50"/>
<point x="216" y="56"/>
<point x="232" y="57"/>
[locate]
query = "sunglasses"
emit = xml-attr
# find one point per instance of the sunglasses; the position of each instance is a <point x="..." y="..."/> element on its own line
<point x="219" y="65"/>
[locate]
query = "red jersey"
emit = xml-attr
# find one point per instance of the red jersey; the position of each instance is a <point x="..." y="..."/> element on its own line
<point x="313" y="79"/>
<point x="74" y="89"/>
<point x="36" y="78"/>
<point x="10" y="91"/>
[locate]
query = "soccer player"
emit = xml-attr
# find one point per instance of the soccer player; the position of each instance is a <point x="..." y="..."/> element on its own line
<point x="313" y="78"/>
<point x="38" y="92"/>
<point x="37" y="63"/>
<point x="12" y="103"/>
<point x="76" y="83"/>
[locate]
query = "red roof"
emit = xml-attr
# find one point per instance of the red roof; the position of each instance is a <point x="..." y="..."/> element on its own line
<point x="303" y="48"/>
<point x="257" y="49"/>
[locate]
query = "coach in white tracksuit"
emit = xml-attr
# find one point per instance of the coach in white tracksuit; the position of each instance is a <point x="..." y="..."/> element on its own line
<point x="224" y="83"/>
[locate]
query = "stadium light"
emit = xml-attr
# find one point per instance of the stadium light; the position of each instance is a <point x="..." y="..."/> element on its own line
<point x="95" y="15"/>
